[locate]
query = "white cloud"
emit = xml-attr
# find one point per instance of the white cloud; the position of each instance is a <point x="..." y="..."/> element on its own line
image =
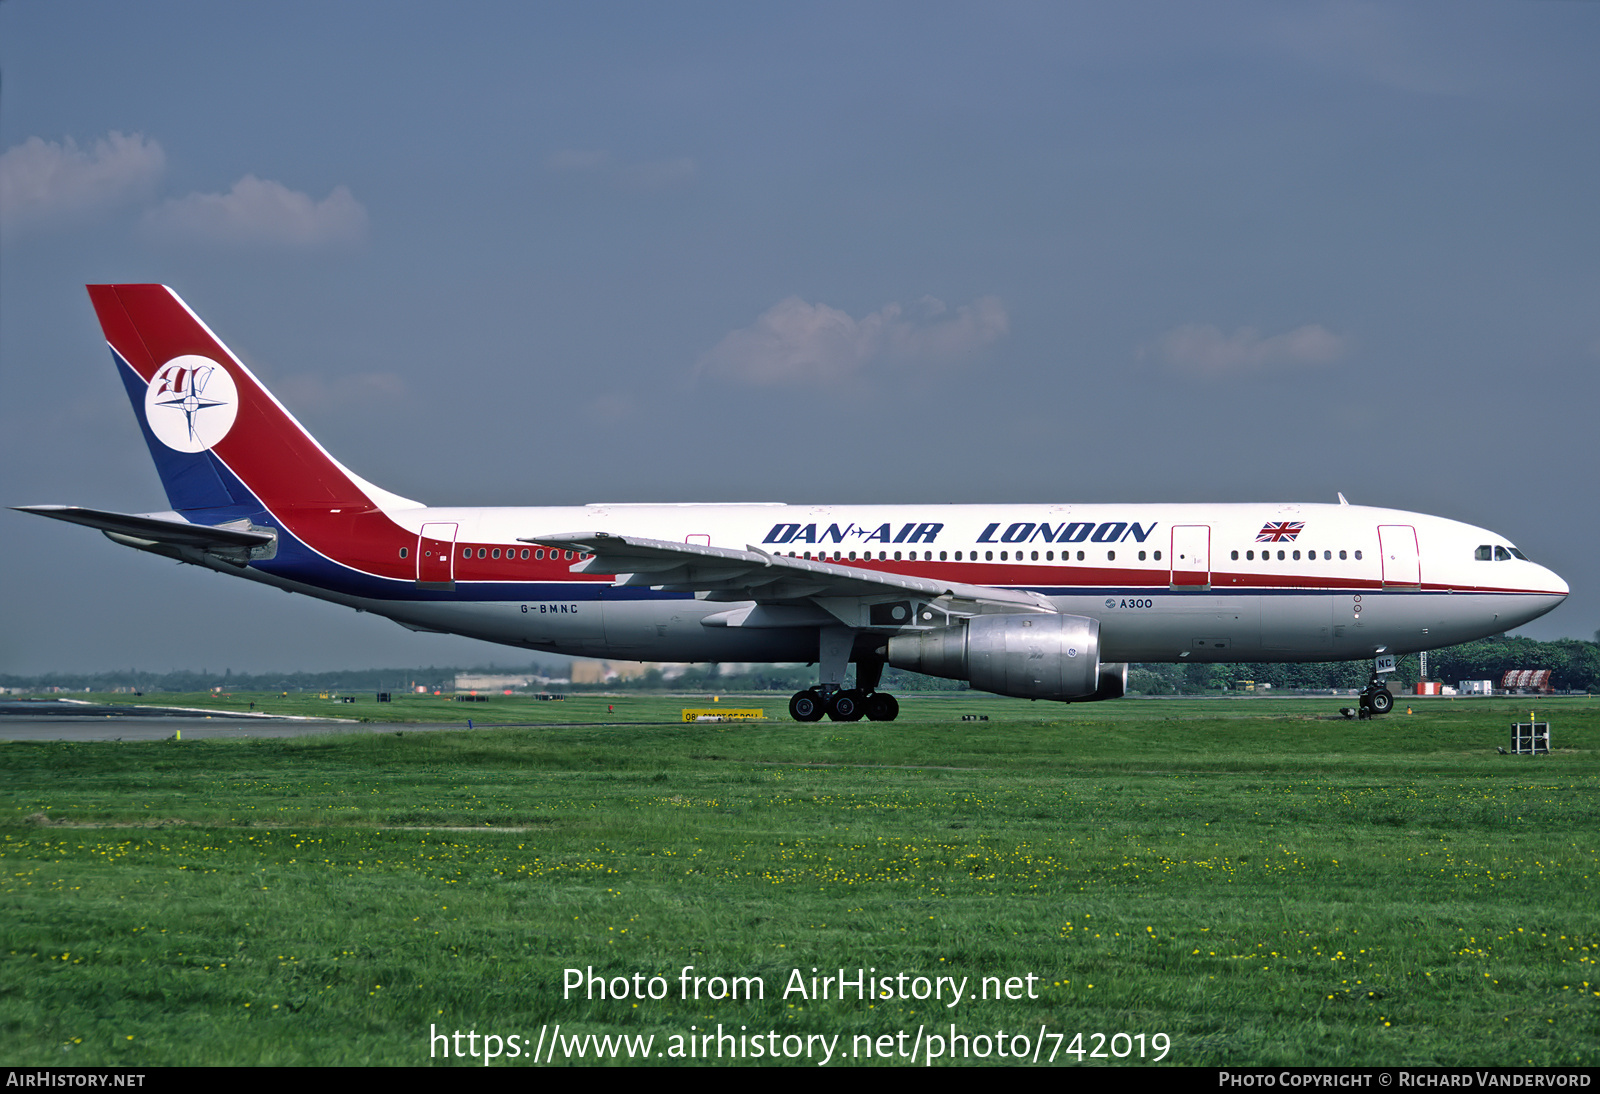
<point x="42" y="182"/>
<point x="1207" y="351"/>
<point x="1378" y="43"/>
<point x="795" y="342"/>
<point x="260" y="212"/>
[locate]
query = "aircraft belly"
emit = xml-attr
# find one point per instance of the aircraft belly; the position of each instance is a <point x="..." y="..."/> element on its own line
<point x="1405" y="622"/>
<point x="670" y="630"/>
<point x="1172" y="626"/>
<point x="1297" y="627"/>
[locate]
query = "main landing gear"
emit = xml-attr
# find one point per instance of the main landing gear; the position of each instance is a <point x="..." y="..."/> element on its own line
<point x="848" y="705"/>
<point x="840" y="703"/>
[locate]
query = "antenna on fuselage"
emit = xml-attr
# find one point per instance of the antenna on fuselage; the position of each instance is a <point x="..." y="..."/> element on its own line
<point x="1342" y="501"/>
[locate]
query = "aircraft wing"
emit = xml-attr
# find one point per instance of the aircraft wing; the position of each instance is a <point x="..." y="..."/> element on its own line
<point x="725" y="574"/>
<point x="154" y="530"/>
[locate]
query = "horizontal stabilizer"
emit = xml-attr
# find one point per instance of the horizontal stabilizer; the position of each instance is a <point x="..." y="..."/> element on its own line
<point x="175" y="533"/>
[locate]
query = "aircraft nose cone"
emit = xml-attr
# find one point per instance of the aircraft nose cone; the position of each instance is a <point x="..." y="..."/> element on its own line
<point x="1554" y="583"/>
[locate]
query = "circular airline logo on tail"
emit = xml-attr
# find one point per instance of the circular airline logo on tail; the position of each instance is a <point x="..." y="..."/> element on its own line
<point x="191" y="403"/>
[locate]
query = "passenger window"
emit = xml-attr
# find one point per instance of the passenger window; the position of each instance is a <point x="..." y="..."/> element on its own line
<point x="1358" y="556"/>
<point x="1235" y="556"/>
<point x="988" y="556"/>
<point x="1111" y="556"/>
<point x="1080" y="556"/>
<point x="1341" y="556"/>
<point x="1158" y="556"/>
<point x="1280" y="555"/>
<point x="402" y="552"/>
<point x="1327" y="556"/>
<point x="1297" y="556"/>
<point x="1250" y="556"/>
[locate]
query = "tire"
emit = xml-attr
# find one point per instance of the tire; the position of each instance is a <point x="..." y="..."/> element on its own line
<point x="1381" y="701"/>
<point x="805" y="706"/>
<point x="847" y="706"/>
<point x="882" y="707"/>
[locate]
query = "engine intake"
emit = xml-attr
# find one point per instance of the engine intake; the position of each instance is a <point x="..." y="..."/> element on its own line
<point x="1031" y="656"/>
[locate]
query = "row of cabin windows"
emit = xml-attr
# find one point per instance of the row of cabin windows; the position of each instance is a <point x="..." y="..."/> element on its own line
<point x="1483" y="553"/>
<point x="972" y="556"/>
<point x="1311" y="556"/>
<point x="511" y="553"/>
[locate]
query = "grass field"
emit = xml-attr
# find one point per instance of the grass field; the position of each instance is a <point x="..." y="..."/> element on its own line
<point x="1257" y="882"/>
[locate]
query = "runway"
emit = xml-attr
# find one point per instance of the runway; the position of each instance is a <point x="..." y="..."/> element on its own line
<point x="55" y="720"/>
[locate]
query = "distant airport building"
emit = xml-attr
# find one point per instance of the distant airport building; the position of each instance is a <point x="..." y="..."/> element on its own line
<point x="1526" y="680"/>
<point x="601" y="672"/>
<point x="477" y="681"/>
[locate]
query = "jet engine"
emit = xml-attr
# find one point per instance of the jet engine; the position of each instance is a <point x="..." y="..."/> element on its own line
<point x="1032" y="656"/>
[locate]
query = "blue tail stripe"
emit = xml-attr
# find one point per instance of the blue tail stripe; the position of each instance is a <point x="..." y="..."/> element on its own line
<point x="192" y="480"/>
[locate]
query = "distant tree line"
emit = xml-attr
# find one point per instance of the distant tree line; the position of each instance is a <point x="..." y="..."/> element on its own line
<point x="1573" y="663"/>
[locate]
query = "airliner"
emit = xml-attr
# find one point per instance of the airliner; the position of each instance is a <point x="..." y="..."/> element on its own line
<point x="1046" y="601"/>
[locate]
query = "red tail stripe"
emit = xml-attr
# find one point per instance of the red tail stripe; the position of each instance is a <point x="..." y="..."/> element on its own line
<point x="269" y="451"/>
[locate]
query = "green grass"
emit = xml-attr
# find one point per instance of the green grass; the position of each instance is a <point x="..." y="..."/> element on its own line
<point x="1263" y="884"/>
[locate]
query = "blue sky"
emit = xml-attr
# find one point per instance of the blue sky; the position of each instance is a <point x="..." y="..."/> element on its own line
<point x="518" y="254"/>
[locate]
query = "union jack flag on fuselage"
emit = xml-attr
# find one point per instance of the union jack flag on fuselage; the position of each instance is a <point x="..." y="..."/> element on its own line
<point x="1279" y="530"/>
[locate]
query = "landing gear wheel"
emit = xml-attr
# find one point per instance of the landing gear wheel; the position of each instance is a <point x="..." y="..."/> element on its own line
<point x="806" y="706"/>
<point x="1380" y="701"/>
<point x="882" y="707"/>
<point x="847" y="706"/>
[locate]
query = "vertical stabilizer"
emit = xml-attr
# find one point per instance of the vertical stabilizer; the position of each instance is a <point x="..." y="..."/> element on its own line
<point x="218" y="437"/>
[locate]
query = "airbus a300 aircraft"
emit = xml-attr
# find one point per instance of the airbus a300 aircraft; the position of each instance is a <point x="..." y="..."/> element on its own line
<point x="1040" y="601"/>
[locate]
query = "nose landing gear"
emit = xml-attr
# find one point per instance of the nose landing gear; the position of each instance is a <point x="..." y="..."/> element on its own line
<point x="1376" y="699"/>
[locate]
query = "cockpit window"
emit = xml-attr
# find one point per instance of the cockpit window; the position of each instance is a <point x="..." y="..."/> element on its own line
<point x="1519" y="554"/>
<point x="1502" y="555"/>
<point x="1484" y="553"/>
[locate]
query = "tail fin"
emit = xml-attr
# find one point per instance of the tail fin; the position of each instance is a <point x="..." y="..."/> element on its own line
<point x="219" y="439"/>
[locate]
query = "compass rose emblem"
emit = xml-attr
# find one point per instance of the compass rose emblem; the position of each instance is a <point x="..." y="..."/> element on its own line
<point x="191" y="403"/>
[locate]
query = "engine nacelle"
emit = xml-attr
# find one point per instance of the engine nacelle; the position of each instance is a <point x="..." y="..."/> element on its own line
<point x="1113" y="682"/>
<point x="1031" y="656"/>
